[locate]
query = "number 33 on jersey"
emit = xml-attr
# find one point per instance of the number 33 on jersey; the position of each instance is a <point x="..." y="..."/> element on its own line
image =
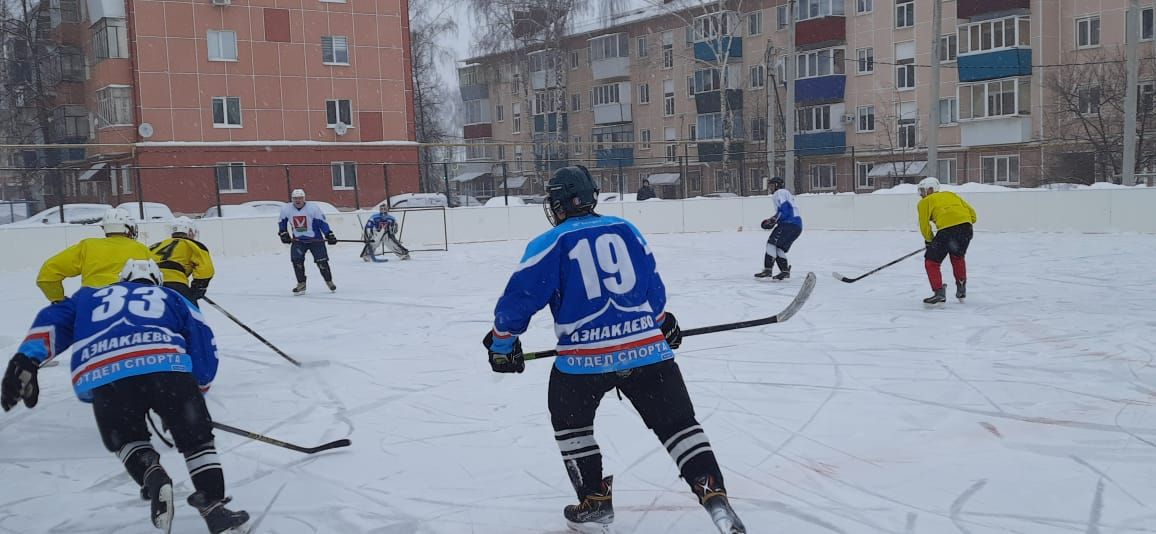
<point x="598" y="275"/>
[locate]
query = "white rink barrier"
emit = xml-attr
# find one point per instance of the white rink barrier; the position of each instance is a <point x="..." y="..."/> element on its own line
<point x="1089" y="211"/>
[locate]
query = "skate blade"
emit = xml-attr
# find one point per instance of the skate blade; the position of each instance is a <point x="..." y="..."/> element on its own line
<point x="240" y="529"/>
<point x="164" y="521"/>
<point x="590" y="528"/>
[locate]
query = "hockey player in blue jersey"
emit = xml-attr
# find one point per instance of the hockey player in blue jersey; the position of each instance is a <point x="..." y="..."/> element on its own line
<point x="136" y="347"/>
<point x="598" y="276"/>
<point x="303" y="227"/>
<point x="785" y="225"/>
<point x="381" y="231"/>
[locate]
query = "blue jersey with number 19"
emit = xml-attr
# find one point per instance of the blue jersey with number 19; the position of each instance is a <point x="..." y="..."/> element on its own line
<point x="599" y="277"/>
<point x="126" y="329"/>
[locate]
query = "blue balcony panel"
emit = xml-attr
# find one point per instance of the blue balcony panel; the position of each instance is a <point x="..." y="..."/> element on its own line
<point x="995" y="65"/>
<point x="821" y="90"/>
<point x="821" y="143"/>
<point x="705" y="50"/>
<point x="609" y="158"/>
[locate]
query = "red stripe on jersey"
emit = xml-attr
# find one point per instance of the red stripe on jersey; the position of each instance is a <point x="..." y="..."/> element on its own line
<point x="612" y="348"/>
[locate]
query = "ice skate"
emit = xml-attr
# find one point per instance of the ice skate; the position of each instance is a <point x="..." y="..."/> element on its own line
<point x="299" y="289"/>
<point x="784" y="269"/>
<point x="782" y="275"/>
<point x="159" y="488"/>
<point x="714" y="498"/>
<point x="594" y="514"/>
<point x="939" y="297"/>
<point x="766" y="273"/>
<point x="331" y="285"/>
<point x="405" y="256"/>
<point x="219" y="519"/>
<point x="961" y="289"/>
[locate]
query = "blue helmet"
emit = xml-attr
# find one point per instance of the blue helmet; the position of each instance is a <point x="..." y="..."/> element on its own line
<point x="571" y="191"/>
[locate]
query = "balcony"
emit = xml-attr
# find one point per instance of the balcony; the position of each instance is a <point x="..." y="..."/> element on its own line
<point x="995" y="131"/>
<point x="712" y="151"/>
<point x="708" y="50"/>
<point x="966" y="9"/>
<point x="611" y="67"/>
<point x="478" y="131"/>
<point x="821" y="32"/>
<point x="609" y="158"/>
<point x="994" y="65"/>
<point x="820" y="143"/>
<point x="544" y="80"/>
<point x="612" y="113"/>
<point x="711" y="101"/>
<point x="475" y="92"/>
<point x="820" y="90"/>
<point x="550" y="123"/>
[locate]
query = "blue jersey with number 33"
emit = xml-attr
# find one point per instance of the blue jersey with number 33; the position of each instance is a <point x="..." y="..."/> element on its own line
<point x="124" y="330"/>
<point x="599" y="277"/>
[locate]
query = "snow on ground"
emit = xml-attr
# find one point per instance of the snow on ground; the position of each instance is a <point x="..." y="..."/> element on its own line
<point x="1027" y="409"/>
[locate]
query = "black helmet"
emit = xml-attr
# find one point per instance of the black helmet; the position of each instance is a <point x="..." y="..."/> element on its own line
<point x="571" y="191"/>
<point x="777" y="183"/>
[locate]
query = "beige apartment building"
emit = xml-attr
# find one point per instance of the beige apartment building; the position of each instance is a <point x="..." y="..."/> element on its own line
<point x="643" y="97"/>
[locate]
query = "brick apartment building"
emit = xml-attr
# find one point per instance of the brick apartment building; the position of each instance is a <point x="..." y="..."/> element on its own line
<point x="641" y="96"/>
<point x="208" y="97"/>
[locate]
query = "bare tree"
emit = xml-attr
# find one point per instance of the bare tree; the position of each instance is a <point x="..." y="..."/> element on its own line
<point x="26" y="103"/>
<point x="430" y="24"/>
<point x="1087" y="120"/>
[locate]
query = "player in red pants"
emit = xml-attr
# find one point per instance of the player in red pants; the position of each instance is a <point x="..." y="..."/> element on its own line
<point x="952" y="217"/>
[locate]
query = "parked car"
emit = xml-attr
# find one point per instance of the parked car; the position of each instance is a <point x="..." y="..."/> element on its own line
<point x="154" y="211"/>
<point x="720" y="195"/>
<point x="427" y="200"/>
<point x="73" y="214"/>
<point x="237" y="210"/>
<point x="274" y="206"/>
<point x="501" y="201"/>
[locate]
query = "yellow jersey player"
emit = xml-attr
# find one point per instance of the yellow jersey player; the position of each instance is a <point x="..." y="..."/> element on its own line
<point x="97" y="261"/>
<point x="182" y="256"/>
<point x="952" y="217"/>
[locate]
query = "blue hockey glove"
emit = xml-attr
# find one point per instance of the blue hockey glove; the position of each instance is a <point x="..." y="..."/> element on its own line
<point x="505" y="353"/>
<point x="20" y="383"/>
<point x="671" y="330"/>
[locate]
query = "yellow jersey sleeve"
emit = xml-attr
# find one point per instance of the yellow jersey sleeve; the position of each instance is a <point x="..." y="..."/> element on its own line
<point x="202" y="262"/>
<point x="65" y="264"/>
<point x="925" y="218"/>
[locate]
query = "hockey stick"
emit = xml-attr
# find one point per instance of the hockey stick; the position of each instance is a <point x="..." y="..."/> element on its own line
<point x="250" y="330"/>
<point x="787" y="313"/>
<point x="873" y="271"/>
<point x="266" y="439"/>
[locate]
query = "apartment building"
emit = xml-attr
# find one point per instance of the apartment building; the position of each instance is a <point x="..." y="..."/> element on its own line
<point x="194" y="99"/>
<point x="688" y="99"/>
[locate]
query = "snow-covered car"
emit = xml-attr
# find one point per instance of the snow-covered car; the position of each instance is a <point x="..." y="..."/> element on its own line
<point x="153" y="211"/>
<point x="721" y="194"/>
<point x="273" y="207"/>
<point x="501" y="201"/>
<point x="237" y="210"/>
<point x="73" y="214"/>
<point x="428" y="200"/>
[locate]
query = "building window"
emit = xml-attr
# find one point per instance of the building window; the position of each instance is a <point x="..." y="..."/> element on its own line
<point x="543" y="61"/>
<point x="905" y="74"/>
<point x="338" y="111"/>
<point x="577" y="146"/>
<point x="866" y="60"/>
<point x="667" y="50"/>
<point x="70" y="122"/>
<point x="643" y="50"/>
<point x="1001" y="169"/>
<point x="758" y="179"/>
<point x="948" y="111"/>
<point x="644" y="139"/>
<point x="694" y="180"/>
<point x="865" y="117"/>
<point x="576" y="102"/>
<point x="516" y="121"/>
<point x="574" y="60"/>
<point x="997" y="34"/>
<point x="863" y="178"/>
<point x="334" y="50"/>
<point x="610" y="137"/>
<point x="782" y="17"/>
<point x="226" y="112"/>
<point x="471" y="75"/>
<point x="821" y="63"/>
<point x="516" y="84"/>
<point x="71" y="64"/>
<point x="813" y="9"/>
<point x="704" y="81"/>
<point x="1088" y="99"/>
<point x="500" y="112"/>
<point x="644" y="93"/>
<point x="997" y="98"/>
<point x="904" y="13"/>
<point x="668" y="98"/>
<point x="109" y="39"/>
<point x="114" y="106"/>
<point x="822" y="177"/>
<point x="548" y="101"/>
<point x="70" y="11"/>
<point x="692" y="132"/>
<point x="476" y="112"/>
<point x="755" y="23"/>
<point x="222" y="45"/>
<point x="231" y="177"/>
<point x="864" y="6"/>
<point x="478" y="149"/>
<point x="671" y="153"/>
<point x="714" y="25"/>
<point x="759" y="129"/>
<point x="609" y="47"/>
<point x="1146" y="24"/>
<point x="1147" y="100"/>
<point x="1088" y="32"/>
<point x="606" y="94"/>
<point x="906" y="133"/>
<point x="948" y="48"/>
<point x="758" y="76"/>
<point x="814" y="119"/>
<point x="712" y="126"/>
<point x="344" y="174"/>
<point x="945" y="170"/>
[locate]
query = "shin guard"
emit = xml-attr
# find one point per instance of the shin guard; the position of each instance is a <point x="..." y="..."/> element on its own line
<point x="934" y="276"/>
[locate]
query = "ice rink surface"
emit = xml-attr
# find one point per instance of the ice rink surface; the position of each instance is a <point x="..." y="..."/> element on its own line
<point x="1027" y="409"/>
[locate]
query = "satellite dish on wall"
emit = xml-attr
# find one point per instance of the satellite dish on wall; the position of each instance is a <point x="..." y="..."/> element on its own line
<point x="341" y="128"/>
<point x="145" y="130"/>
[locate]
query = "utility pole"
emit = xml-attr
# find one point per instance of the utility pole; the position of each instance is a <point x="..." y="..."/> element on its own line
<point x="1132" y="39"/>
<point x="772" y="129"/>
<point x="789" y="68"/>
<point x="933" y="91"/>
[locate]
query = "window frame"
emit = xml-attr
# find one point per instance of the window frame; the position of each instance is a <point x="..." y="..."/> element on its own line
<point x="221" y="57"/>
<point x="864" y="180"/>
<point x="817" y="9"/>
<point x="107" y="97"/>
<point x="599" y="48"/>
<point x="102" y="48"/>
<point x="859" y="10"/>
<point x="1007" y="159"/>
<point x="644" y="139"/>
<point x="337" y="112"/>
<point x="344" y="167"/>
<point x="947" y="178"/>
<point x="1021" y="90"/>
<point x="866" y="111"/>
<point x="644" y="93"/>
<point x="909" y="16"/>
<point x="865" y="57"/>
<point x="225" y="101"/>
<point x="758" y="73"/>
<point x="946" y="49"/>
<point x="815" y="119"/>
<point x="813" y="59"/>
<point x="817" y="178"/>
<point x="953" y="113"/>
<point x="334" y="49"/>
<point x="609" y="94"/>
<point x="642" y="45"/>
<point x="1089" y="20"/>
<point x="1018" y="25"/>
<point x="230" y="167"/>
<point x="755" y="23"/>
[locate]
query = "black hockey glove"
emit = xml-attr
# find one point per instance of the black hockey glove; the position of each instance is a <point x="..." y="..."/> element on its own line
<point x="504" y="362"/>
<point x="671" y="330"/>
<point x="199" y="287"/>
<point x="330" y="238"/>
<point x="285" y="237"/>
<point x="770" y="223"/>
<point x="20" y="383"/>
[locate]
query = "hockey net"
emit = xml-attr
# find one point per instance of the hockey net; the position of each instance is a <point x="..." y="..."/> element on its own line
<point x="422" y="229"/>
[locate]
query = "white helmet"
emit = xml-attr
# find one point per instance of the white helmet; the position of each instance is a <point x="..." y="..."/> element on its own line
<point x="928" y="186"/>
<point x="118" y="221"/>
<point x="184" y="225"/>
<point x="298" y="193"/>
<point x="141" y="271"/>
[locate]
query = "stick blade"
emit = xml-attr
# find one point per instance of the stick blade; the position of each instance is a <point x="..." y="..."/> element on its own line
<point x="344" y="442"/>
<point x="842" y="278"/>
<point x="800" y="299"/>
